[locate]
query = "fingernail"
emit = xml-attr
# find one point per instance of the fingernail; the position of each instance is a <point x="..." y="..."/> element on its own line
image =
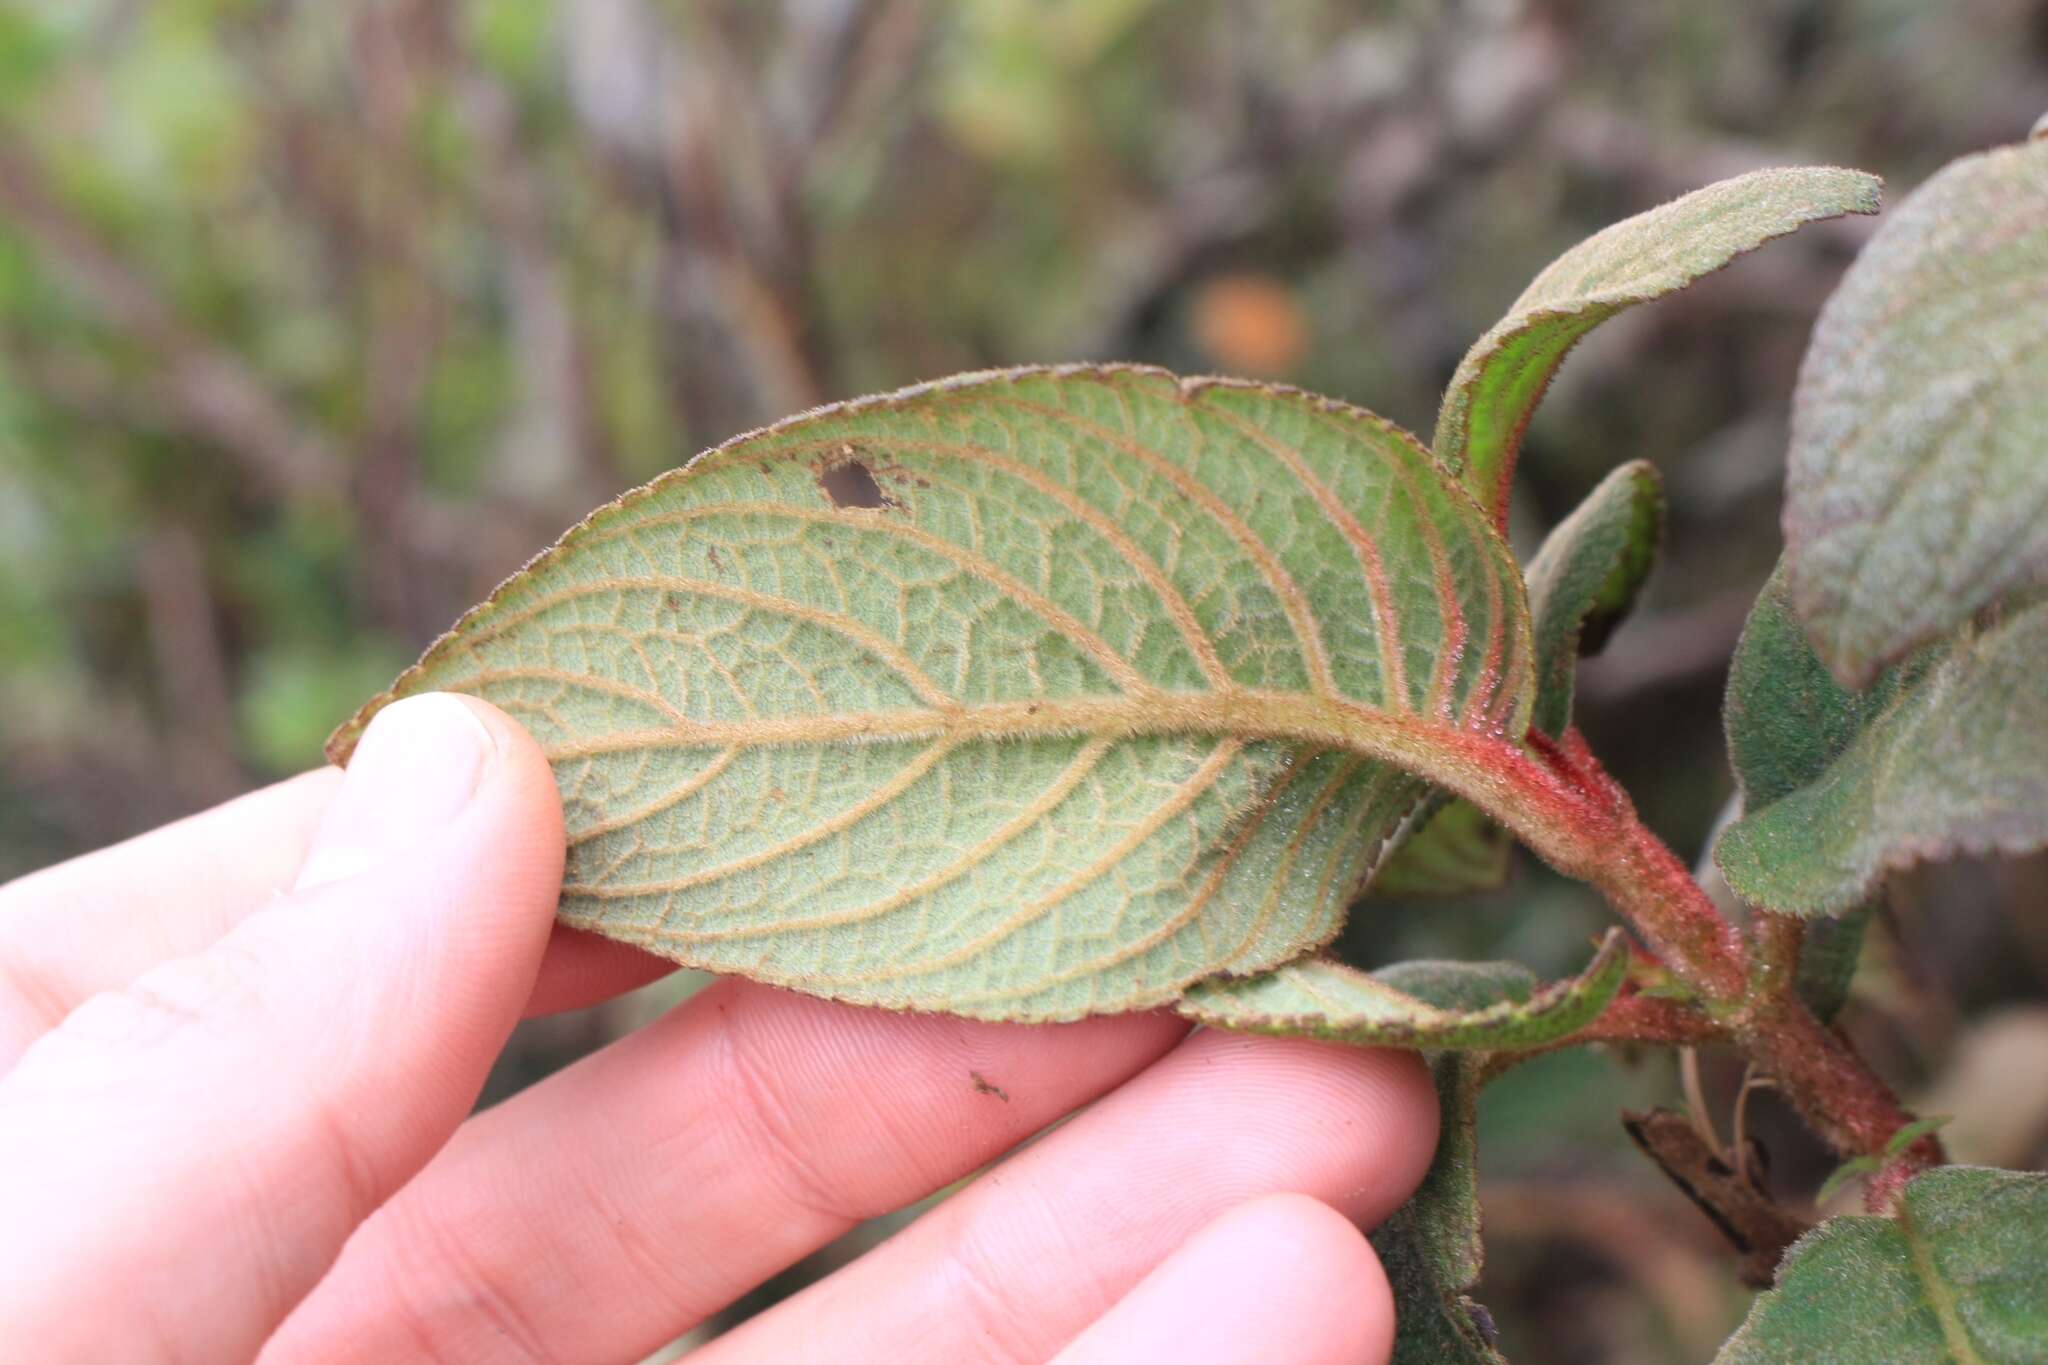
<point x="414" y="770"/>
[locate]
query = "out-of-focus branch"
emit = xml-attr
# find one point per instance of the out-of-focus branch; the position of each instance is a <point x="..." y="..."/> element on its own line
<point x="213" y="391"/>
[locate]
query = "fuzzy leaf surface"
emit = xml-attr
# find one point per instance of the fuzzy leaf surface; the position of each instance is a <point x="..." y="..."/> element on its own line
<point x="1027" y="695"/>
<point x="1917" y="478"/>
<point x="1582" y="583"/>
<point x="1945" y="755"/>
<point x="1961" y="1274"/>
<point x="1501" y="379"/>
<point x="1431" y="1246"/>
<point x="1494" y="1006"/>
<point x="1585" y="578"/>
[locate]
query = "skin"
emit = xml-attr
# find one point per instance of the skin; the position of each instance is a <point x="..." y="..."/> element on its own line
<point x="238" y="1058"/>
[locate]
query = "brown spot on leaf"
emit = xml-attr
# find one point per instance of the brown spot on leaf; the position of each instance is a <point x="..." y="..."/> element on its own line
<point x="673" y="601"/>
<point x="711" y="553"/>
<point x="984" y="1086"/>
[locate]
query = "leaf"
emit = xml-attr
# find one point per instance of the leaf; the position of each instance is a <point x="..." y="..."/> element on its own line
<point x="1457" y="850"/>
<point x="1828" y="958"/>
<point x="1025" y="695"/>
<point x="1431" y="1248"/>
<point x="1918" y="468"/>
<point x="1501" y="379"/>
<point x="1960" y="1275"/>
<point x="1495" y="1006"/>
<point x="1582" y="583"/>
<point x="1945" y="756"/>
<point x="1586" y="577"/>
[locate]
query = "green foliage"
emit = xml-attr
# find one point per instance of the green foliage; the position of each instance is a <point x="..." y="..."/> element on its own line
<point x="1958" y="1275"/>
<point x="1496" y="1006"/>
<point x="1431" y="1247"/>
<point x="1916" y="477"/>
<point x="1586" y="577"/>
<point x="1455" y="850"/>
<point x="1026" y="696"/>
<point x="1947" y="755"/>
<point x="1501" y="379"/>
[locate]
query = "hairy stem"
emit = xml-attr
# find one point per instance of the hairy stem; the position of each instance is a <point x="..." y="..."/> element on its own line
<point x="1578" y="818"/>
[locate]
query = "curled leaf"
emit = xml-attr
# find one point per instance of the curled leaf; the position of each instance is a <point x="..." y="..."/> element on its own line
<point x="1494" y="1006"/>
<point x="1457" y="850"/>
<point x="1501" y="379"/>
<point x="1946" y="755"/>
<point x="1586" y="577"/>
<point x="1431" y="1246"/>
<point x="1023" y="695"/>
<point x="1918" y="467"/>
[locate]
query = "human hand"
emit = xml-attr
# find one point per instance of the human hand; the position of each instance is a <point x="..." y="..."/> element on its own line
<point x="235" y="1044"/>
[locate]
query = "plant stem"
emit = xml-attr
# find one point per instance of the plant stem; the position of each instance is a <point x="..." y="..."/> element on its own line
<point x="1561" y="803"/>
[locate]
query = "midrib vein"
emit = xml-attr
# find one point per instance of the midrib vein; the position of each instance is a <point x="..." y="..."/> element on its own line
<point x="1433" y="750"/>
<point x="1937" y="1291"/>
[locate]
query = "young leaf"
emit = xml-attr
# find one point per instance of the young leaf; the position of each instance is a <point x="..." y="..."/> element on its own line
<point x="1025" y="695"/>
<point x="1431" y="1248"/>
<point x="1916" y="475"/>
<point x="1960" y="1275"/>
<point x="1501" y="379"/>
<point x="1948" y="754"/>
<point x="1494" y="1006"/>
<point x="1586" y="577"/>
<point x="1457" y="850"/>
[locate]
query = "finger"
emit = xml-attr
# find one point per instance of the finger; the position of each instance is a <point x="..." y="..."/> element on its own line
<point x="601" y="1213"/>
<point x="1284" y="1280"/>
<point x="1021" y="1261"/>
<point x="98" y="922"/>
<point x="206" y="1137"/>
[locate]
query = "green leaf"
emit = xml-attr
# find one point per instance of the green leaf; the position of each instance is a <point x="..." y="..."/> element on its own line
<point x="1828" y="958"/>
<point x="1582" y="583"/>
<point x="1026" y="695"/>
<point x="1457" y="850"/>
<point x="1431" y="1248"/>
<point x="1946" y="755"/>
<point x="1918" y="467"/>
<point x="1496" y="1006"/>
<point x="1586" y="577"/>
<point x="1501" y="379"/>
<point x="1960" y="1275"/>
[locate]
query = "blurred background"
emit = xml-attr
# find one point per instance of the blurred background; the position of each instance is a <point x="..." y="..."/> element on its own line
<point x="317" y="318"/>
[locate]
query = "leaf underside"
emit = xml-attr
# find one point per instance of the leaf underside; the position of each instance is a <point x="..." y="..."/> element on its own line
<point x="1582" y="584"/>
<point x="1026" y="695"/>
<point x="1429" y="1005"/>
<point x="1917" y="476"/>
<point x="1501" y="379"/>
<point x="1960" y="1275"/>
<point x="1946" y="755"/>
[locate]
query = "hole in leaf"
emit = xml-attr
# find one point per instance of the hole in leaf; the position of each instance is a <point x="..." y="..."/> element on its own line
<point x="849" y="484"/>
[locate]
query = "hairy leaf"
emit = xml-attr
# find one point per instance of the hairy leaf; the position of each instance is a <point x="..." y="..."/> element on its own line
<point x="1494" y="1006"/>
<point x="1961" y="1274"/>
<point x="1501" y="379"/>
<point x="1586" y="577"/>
<point x="1917" y="478"/>
<point x="1025" y="695"/>
<point x="1431" y="1247"/>
<point x="1947" y="755"/>
<point x="1582" y="582"/>
<point x="1456" y="850"/>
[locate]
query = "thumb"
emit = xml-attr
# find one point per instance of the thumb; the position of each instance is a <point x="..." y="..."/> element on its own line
<point x="208" y="1136"/>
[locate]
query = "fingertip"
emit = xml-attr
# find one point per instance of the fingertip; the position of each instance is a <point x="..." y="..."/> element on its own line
<point x="1279" y="1278"/>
